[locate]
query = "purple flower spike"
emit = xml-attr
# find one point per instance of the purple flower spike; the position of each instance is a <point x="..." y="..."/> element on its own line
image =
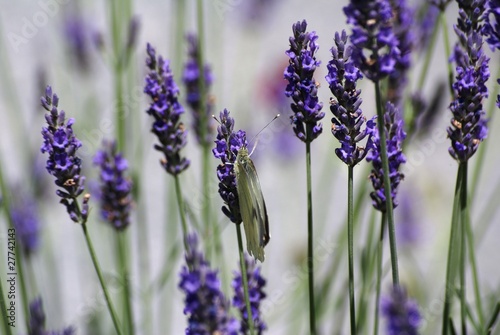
<point x="61" y="145"/>
<point x="191" y="78"/>
<point x="402" y="315"/>
<point x="256" y="294"/>
<point x="206" y="306"/>
<point x="394" y="136"/>
<point x="372" y="32"/>
<point x="348" y="118"/>
<point x="37" y="321"/>
<point x="116" y="200"/>
<point x="468" y="125"/>
<point x="491" y="28"/>
<point x="226" y="149"/>
<point x="301" y="85"/>
<point x="166" y="111"/>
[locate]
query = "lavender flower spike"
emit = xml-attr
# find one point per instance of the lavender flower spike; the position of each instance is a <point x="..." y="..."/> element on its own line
<point x="226" y="149"/>
<point x="372" y="32"/>
<point x="166" y="111"/>
<point x="116" y="199"/>
<point x="347" y="116"/>
<point x="25" y="218"/>
<point x="491" y="29"/>
<point x="61" y="145"/>
<point x="394" y="137"/>
<point x="301" y="85"/>
<point x="191" y="78"/>
<point x="37" y="321"/>
<point x="256" y="294"/>
<point x="468" y="125"/>
<point x="206" y="305"/>
<point x="402" y="314"/>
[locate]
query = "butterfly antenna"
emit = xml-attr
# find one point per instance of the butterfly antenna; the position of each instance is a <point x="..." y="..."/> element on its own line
<point x="256" y="136"/>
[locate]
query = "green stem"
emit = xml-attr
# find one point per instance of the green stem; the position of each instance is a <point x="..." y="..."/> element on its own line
<point x="463" y="247"/>
<point x="244" y="278"/>
<point x="387" y="186"/>
<point x="475" y="275"/>
<point x="122" y="239"/>
<point x="19" y="260"/>
<point x="310" y="254"/>
<point x="101" y="279"/>
<point x="180" y="27"/>
<point x="5" y="321"/>
<point x="350" y="239"/>
<point x="447" y="51"/>
<point x="451" y="261"/>
<point x="380" y="254"/>
<point x="180" y="204"/>
<point x="493" y="319"/>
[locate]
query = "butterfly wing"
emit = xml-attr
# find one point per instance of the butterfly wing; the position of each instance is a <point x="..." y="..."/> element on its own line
<point x="252" y="206"/>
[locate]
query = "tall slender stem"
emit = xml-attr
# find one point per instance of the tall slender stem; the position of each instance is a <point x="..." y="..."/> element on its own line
<point x="244" y="279"/>
<point x="180" y="204"/>
<point x="387" y="186"/>
<point x="101" y="279"/>
<point x="380" y="254"/>
<point x="122" y="243"/>
<point x="3" y="309"/>
<point x="447" y="51"/>
<point x="451" y="262"/>
<point x="428" y="55"/>
<point x="310" y="254"/>
<point x="463" y="246"/>
<point x="475" y="278"/>
<point x="350" y="242"/>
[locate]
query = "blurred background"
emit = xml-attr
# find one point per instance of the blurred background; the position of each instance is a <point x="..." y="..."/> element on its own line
<point x="68" y="44"/>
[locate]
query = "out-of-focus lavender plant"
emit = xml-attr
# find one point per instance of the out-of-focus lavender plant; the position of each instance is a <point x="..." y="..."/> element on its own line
<point x="401" y="314"/>
<point x="77" y="38"/>
<point x="468" y="125"/>
<point x="61" y="144"/>
<point x="166" y="110"/>
<point x="302" y="87"/>
<point x="409" y="223"/>
<point x="25" y="219"/>
<point x="393" y="125"/>
<point x="205" y="304"/>
<point x="37" y="321"/>
<point x="191" y="78"/>
<point x="348" y="118"/>
<point x="256" y="294"/>
<point x="402" y="26"/>
<point x="115" y="196"/>
<point x="372" y="32"/>
<point x="226" y="149"/>
<point x="424" y="25"/>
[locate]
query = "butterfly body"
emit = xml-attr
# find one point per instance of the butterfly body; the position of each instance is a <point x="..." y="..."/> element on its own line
<point x="252" y="205"/>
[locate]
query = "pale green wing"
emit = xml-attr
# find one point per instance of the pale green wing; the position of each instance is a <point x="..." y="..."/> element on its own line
<point x="252" y="206"/>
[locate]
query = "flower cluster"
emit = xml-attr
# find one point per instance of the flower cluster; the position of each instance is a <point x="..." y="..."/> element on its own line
<point x="491" y="29"/>
<point x="24" y="217"/>
<point x="402" y="314"/>
<point x="226" y="149"/>
<point x="394" y="138"/>
<point x="403" y="21"/>
<point x="166" y="111"/>
<point x="348" y="118"/>
<point x="37" y="321"/>
<point x="372" y="32"/>
<point x="468" y="125"/>
<point x="256" y="294"/>
<point x="301" y="85"/>
<point x="60" y="143"/>
<point x="115" y="187"/>
<point x="191" y="78"/>
<point x="205" y="303"/>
